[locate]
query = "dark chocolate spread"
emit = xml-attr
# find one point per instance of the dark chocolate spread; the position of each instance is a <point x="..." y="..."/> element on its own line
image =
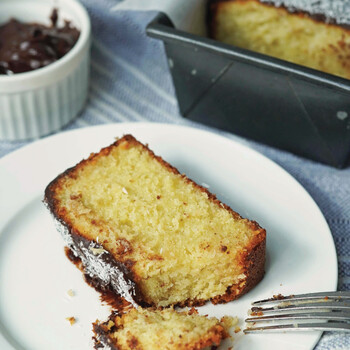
<point x="28" y="46"/>
<point x="107" y="295"/>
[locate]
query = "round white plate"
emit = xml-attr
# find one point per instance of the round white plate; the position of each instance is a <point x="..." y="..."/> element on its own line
<point x="35" y="275"/>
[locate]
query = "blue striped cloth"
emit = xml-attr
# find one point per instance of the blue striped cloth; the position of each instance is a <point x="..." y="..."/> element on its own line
<point x="130" y="82"/>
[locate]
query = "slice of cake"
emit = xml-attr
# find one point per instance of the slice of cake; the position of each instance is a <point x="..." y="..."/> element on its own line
<point x="165" y="329"/>
<point x="315" y="34"/>
<point x="148" y="233"/>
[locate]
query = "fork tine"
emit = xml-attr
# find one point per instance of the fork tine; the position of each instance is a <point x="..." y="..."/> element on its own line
<point x="323" y="305"/>
<point x="332" y="307"/>
<point x="325" y="326"/>
<point x="343" y="295"/>
<point x="335" y="316"/>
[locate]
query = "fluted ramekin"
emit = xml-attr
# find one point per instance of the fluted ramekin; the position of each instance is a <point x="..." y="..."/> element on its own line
<point x="39" y="102"/>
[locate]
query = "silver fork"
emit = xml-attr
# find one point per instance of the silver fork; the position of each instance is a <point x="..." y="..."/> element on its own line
<point x="325" y="311"/>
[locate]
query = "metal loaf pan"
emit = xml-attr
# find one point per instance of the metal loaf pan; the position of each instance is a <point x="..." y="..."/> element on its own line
<point x="272" y="101"/>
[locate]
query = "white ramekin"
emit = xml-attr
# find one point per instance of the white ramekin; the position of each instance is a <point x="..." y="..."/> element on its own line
<point x="39" y="102"/>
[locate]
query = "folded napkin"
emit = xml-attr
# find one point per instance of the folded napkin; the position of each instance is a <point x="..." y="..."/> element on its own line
<point x="185" y="15"/>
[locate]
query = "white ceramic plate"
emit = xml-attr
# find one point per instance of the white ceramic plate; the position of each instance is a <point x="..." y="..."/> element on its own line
<point x="35" y="275"/>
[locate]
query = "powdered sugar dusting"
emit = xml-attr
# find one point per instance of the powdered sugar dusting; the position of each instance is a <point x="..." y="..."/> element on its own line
<point x="109" y="274"/>
<point x="64" y="232"/>
<point x="96" y="267"/>
<point x="102" y="344"/>
<point x="337" y="11"/>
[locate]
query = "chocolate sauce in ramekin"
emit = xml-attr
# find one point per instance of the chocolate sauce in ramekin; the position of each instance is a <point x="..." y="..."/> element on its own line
<point x="29" y="46"/>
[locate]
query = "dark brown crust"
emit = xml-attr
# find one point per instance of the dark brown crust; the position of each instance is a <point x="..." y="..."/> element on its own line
<point x="102" y="337"/>
<point x="253" y="259"/>
<point x="78" y="238"/>
<point x="106" y="290"/>
<point x="214" y="5"/>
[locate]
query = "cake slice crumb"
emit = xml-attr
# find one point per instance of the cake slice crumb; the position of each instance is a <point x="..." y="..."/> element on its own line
<point x="72" y="320"/>
<point x="150" y="328"/>
<point x="97" y="251"/>
<point x="71" y="292"/>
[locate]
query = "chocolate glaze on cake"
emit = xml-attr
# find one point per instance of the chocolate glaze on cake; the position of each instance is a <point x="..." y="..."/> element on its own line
<point x="102" y="341"/>
<point x="29" y="46"/>
<point x="101" y="269"/>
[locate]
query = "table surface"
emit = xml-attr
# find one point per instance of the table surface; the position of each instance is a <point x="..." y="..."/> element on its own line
<point x="130" y="83"/>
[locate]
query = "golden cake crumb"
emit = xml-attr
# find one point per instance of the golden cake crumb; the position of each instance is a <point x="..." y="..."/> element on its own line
<point x="72" y="320"/>
<point x="97" y="251"/>
<point x="110" y="324"/>
<point x="229" y="321"/>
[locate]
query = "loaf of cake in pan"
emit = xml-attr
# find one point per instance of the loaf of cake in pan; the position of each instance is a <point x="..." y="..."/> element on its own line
<point x="315" y="34"/>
